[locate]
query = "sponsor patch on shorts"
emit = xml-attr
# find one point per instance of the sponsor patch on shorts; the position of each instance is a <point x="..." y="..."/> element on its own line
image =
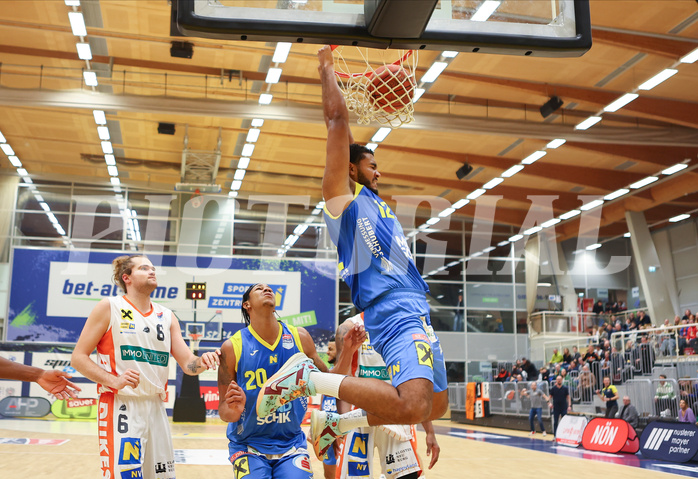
<point x="420" y="337"/>
<point x="302" y="463"/>
<point x="425" y="356"/>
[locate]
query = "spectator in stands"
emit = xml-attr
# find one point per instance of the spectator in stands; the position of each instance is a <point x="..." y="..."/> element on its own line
<point x="683" y="336"/>
<point x="530" y="369"/>
<point x="557" y="370"/>
<point x="516" y="378"/>
<point x="575" y="353"/>
<point x="609" y="395"/>
<point x="688" y="391"/>
<point x="503" y="376"/>
<point x="544" y="374"/>
<point x="664" y="397"/>
<point x="605" y="365"/>
<point x="586" y="383"/>
<point x="574" y="366"/>
<point x="667" y="343"/>
<point x="643" y="355"/>
<point x="686" y="413"/>
<point x="598" y="311"/>
<point x="677" y="320"/>
<point x="566" y="356"/>
<point x="644" y="319"/>
<point x="537" y="396"/>
<point x="687" y="314"/>
<point x="566" y="379"/>
<point x="628" y="413"/>
<point x="590" y="356"/>
<point x="560" y="402"/>
<point x="556" y="358"/>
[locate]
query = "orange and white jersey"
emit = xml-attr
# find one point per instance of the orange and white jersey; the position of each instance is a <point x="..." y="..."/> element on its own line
<point x="139" y="341"/>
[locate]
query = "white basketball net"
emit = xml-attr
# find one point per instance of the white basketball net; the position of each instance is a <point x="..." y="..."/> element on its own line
<point x="385" y="97"/>
<point x="194" y="340"/>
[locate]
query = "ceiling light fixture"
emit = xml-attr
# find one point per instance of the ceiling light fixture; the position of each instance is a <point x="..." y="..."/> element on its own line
<point x="433" y="72"/>
<point x="620" y="102"/>
<point x="77" y="24"/>
<point x="616" y="194"/>
<point x="591" y="205"/>
<point x="492" y="183"/>
<point x="679" y="218"/>
<point x="556" y="143"/>
<point x="485" y="11"/>
<point x="84" y="52"/>
<point x="658" y="78"/>
<point x="476" y="194"/>
<point x="674" y="169"/>
<point x="265" y="98"/>
<point x="644" y="182"/>
<point x="281" y="52"/>
<point x="588" y="123"/>
<point x="533" y="157"/>
<point x="381" y="134"/>
<point x="512" y="171"/>
<point x="569" y="214"/>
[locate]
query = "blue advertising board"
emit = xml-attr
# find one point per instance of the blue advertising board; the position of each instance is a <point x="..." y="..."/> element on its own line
<point x="669" y="441"/>
<point x="53" y="291"/>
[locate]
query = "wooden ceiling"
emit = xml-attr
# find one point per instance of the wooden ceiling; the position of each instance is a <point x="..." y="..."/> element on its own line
<point x="482" y="110"/>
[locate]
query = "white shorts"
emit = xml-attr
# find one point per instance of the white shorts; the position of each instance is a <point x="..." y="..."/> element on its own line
<point x="397" y="457"/>
<point x="134" y="437"/>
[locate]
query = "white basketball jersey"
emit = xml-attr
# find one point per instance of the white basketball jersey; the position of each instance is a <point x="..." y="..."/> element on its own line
<point x="139" y="341"/>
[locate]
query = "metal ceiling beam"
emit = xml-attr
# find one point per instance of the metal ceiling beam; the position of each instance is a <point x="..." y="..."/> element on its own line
<point x="676" y="136"/>
<point x="673" y="111"/>
<point x="662" y="45"/>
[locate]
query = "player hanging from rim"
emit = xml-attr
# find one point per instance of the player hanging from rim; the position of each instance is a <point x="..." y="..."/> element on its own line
<point x="134" y="338"/>
<point x="397" y="445"/>
<point x="376" y="263"/>
<point x="271" y="446"/>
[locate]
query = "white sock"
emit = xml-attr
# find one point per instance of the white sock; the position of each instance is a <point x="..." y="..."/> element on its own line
<point x="352" y="420"/>
<point x="326" y="383"/>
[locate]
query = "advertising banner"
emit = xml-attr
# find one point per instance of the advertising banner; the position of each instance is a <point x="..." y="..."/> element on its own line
<point x="570" y="430"/>
<point x="53" y="291"/>
<point x="610" y="435"/>
<point x="670" y="441"/>
<point x="15" y="406"/>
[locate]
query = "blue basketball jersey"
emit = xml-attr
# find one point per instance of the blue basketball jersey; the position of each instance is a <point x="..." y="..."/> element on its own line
<point x="256" y="361"/>
<point x="374" y="257"/>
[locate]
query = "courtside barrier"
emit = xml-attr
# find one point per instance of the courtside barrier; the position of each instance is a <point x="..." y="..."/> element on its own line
<point x="667" y="441"/>
<point x="570" y="430"/>
<point x="610" y="435"/>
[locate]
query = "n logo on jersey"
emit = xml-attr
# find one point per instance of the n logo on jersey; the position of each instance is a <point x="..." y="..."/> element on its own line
<point x="127" y="314"/>
<point x="130" y="450"/>
<point x="241" y="467"/>
<point x="136" y="473"/>
<point x="358" y="447"/>
<point x="273" y="359"/>
<point x="425" y="356"/>
<point x="357" y="468"/>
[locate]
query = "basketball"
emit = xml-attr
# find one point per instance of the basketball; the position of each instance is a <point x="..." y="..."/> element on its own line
<point x="391" y="88"/>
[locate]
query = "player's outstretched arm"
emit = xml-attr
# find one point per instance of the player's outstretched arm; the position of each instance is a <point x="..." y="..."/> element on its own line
<point x="232" y="398"/>
<point x="95" y="327"/>
<point x="190" y="363"/>
<point x="337" y="186"/>
<point x="55" y="382"/>
<point x="433" y="448"/>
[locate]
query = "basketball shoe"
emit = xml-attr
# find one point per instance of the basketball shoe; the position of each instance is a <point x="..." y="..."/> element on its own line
<point x="288" y="383"/>
<point x="324" y="430"/>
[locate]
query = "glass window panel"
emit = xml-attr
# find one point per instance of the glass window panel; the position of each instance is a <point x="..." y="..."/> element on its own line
<point x="486" y="296"/>
<point x="491" y="321"/>
<point x="489" y="270"/>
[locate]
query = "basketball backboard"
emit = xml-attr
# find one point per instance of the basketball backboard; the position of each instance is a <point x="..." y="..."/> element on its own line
<point x="553" y="28"/>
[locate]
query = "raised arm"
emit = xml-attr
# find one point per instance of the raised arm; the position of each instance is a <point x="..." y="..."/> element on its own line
<point x="190" y="363"/>
<point x="337" y="187"/>
<point x="348" y="340"/>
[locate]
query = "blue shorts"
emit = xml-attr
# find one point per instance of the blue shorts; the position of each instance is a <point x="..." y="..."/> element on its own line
<point x="400" y="330"/>
<point x="257" y="466"/>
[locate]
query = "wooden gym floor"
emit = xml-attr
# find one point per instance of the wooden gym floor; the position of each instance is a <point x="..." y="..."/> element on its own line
<point x="460" y="457"/>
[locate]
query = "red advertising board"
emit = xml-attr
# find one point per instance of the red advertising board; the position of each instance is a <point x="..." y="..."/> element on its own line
<point x="610" y="435"/>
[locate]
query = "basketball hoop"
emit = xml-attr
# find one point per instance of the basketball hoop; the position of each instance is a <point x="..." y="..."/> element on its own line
<point x="383" y="94"/>
<point x="194" y="340"/>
